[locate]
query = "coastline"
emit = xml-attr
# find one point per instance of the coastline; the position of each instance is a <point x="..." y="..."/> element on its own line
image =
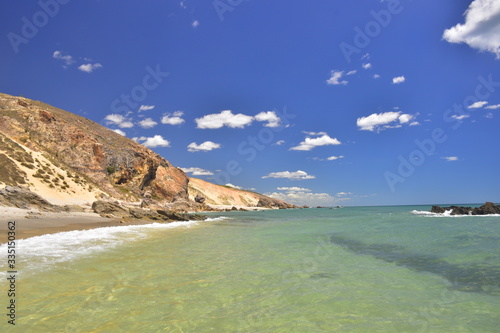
<point x="32" y="222"/>
<point x="42" y="223"/>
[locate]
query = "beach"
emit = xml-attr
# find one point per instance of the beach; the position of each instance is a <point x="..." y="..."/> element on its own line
<point x="31" y="223"/>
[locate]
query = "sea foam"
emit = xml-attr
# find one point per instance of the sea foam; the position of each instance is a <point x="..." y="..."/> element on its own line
<point x="40" y="253"/>
<point x="445" y="214"/>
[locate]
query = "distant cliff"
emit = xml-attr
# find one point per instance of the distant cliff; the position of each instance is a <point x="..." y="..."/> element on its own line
<point x="228" y="196"/>
<point x="68" y="159"/>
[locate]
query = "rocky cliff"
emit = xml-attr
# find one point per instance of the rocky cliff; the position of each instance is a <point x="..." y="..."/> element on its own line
<point x="68" y="159"/>
<point x="228" y="196"/>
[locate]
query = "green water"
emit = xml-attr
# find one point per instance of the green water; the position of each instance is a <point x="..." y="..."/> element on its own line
<point x="361" y="269"/>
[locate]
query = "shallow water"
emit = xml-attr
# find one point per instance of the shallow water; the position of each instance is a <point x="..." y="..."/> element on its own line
<point x="360" y="269"/>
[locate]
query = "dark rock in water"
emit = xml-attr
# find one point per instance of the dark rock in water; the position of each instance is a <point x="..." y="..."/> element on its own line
<point x="486" y="209"/>
<point x="437" y="210"/>
<point x="14" y="196"/>
<point x="107" y="208"/>
<point x="199" y="199"/>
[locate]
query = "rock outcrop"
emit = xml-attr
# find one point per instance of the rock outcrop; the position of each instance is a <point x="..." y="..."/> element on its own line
<point x="116" y="210"/>
<point x="18" y="197"/>
<point x="487" y="209"/>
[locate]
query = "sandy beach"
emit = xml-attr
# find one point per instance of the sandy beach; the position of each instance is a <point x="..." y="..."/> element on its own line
<point x="31" y="223"/>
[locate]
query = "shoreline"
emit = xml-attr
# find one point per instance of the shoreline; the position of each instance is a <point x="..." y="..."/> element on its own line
<point x="42" y="223"/>
<point x="32" y="222"/>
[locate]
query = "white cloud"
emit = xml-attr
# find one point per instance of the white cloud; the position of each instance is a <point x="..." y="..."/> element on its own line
<point x="205" y="146"/>
<point x="405" y="118"/>
<point x="477" y="105"/>
<point x="195" y="24"/>
<point x="173" y="119"/>
<point x="197" y="171"/>
<point x="126" y="124"/>
<point x="270" y="116"/>
<point x="379" y="121"/>
<point x="119" y="120"/>
<point x="376" y="76"/>
<point x="297" y="175"/>
<point x="450" y="158"/>
<point x="333" y="158"/>
<point x="89" y="68"/>
<point x="155" y="141"/>
<point x="493" y="107"/>
<point x="463" y="116"/>
<point x="480" y="30"/>
<point x="224" y="118"/>
<point x="335" y="78"/>
<point x="398" y="79"/>
<point x="294" y="189"/>
<point x="119" y="132"/>
<point x="489" y="115"/>
<point x="279" y="143"/>
<point x="306" y="198"/>
<point x="68" y="60"/>
<point x="234" y="186"/>
<point x="352" y="72"/>
<point x="314" y="133"/>
<point x="367" y="66"/>
<point x="310" y="143"/>
<point x="146" y="107"/>
<point x="148" y="123"/>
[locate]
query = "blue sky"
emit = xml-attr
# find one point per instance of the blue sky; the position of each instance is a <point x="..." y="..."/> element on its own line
<point x="322" y="103"/>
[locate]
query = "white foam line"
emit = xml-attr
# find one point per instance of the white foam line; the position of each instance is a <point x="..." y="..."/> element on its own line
<point x="446" y="214"/>
<point x="40" y="253"/>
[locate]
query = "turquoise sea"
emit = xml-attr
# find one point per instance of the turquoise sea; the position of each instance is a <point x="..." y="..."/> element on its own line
<point x="353" y="269"/>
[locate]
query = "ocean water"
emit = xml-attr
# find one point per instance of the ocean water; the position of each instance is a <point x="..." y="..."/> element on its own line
<point x="353" y="269"/>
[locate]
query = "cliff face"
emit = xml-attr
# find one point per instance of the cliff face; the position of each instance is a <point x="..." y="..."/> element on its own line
<point x="228" y="196"/>
<point x="65" y="156"/>
<point x="68" y="159"/>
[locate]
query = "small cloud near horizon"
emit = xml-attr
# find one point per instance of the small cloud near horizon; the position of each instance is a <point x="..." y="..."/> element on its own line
<point x="296" y="175"/>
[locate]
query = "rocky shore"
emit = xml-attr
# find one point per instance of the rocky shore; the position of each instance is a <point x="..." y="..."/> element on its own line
<point x="488" y="208"/>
